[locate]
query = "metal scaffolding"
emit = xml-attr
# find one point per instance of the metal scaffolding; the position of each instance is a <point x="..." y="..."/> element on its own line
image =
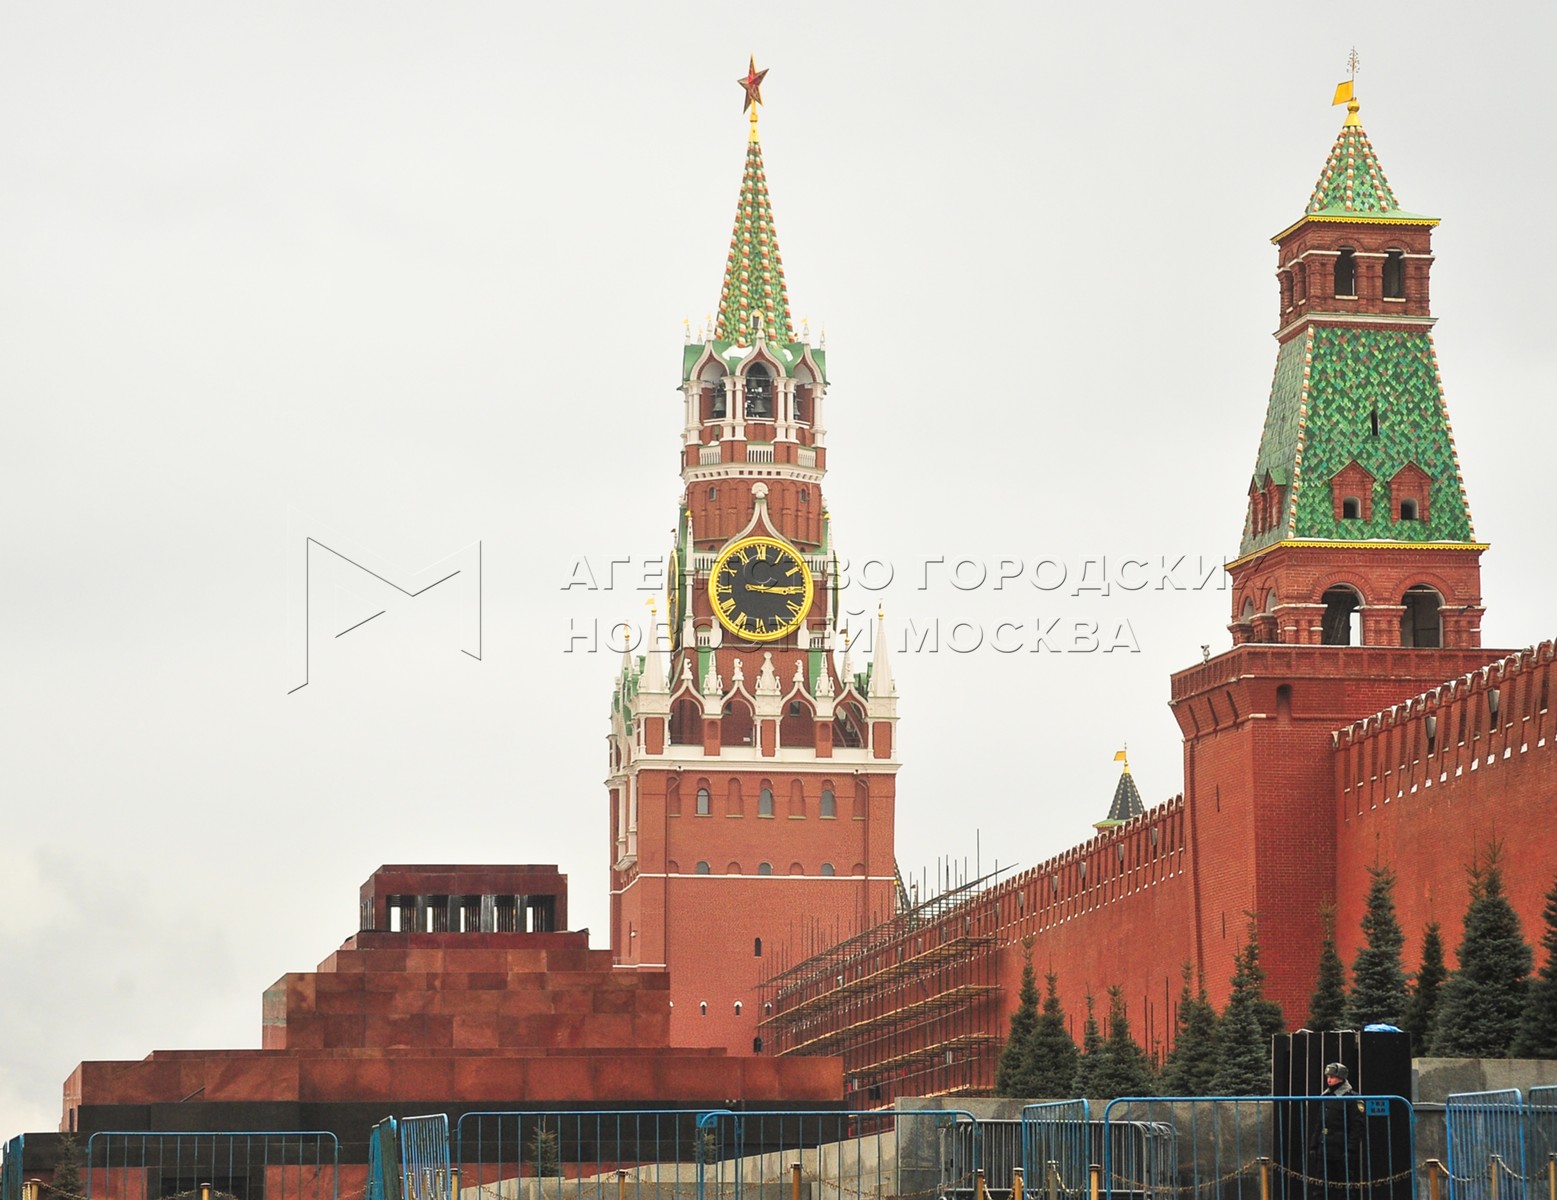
<point x="911" y="1005"/>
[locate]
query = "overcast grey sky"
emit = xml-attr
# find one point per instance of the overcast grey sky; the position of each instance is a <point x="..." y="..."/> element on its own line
<point x="404" y="278"/>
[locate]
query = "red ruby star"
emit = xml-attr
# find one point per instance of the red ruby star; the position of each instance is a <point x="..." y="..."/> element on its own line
<point x="752" y="83"/>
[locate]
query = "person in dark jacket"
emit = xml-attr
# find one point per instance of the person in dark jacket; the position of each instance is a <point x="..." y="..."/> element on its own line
<point x="1335" y="1138"/>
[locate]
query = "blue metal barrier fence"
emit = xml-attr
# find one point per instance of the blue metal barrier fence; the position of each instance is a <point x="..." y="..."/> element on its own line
<point x="1259" y="1148"/>
<point x="1060" y="1142"/>
<point x="1486" y="1136"/>
<point x="11" y="1168"/>
<point x="1541" y="1141"/>
<point x="424" y="1158"/>
<point x="1503" y="1146"/>
<point x="682" y="1154"/>
<point x="210" y="1166"/>
<point x="383" y="1162"/>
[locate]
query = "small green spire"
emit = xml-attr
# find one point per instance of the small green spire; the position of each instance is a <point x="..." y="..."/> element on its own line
<point x="1127" y="798"/>
<point x="754" y="273"/>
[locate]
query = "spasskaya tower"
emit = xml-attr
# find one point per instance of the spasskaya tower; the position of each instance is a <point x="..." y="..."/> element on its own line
<point x="752" y="767"/>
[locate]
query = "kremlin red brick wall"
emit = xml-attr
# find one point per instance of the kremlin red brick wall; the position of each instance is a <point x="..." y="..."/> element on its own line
<point x="1284" y="817"/>
<point x="1098" y="917"/>
<point x="1426" y="805"/>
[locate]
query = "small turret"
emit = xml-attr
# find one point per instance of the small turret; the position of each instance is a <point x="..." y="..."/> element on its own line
<point x="1127" y="797"/>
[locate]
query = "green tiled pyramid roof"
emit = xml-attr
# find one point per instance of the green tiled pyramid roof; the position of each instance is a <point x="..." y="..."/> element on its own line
<point x="753" y="273"/>
<point x="1352" y="185"/>
<point x="1330" y="382"/>
<point x="1352" y="180"/>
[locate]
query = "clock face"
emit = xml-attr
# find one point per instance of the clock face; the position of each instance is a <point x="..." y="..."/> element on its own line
<point x="760" y="589"/>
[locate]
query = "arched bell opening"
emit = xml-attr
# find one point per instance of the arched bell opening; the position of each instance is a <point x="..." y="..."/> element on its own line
<point x="686" y="722"/>
<point x="736" y="728"/>
<point x="1421" y="625"/>
<point x="1342" y="622"/>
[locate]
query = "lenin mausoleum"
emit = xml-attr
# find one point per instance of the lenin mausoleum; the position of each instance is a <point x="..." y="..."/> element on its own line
<point x="1356" y="718"/>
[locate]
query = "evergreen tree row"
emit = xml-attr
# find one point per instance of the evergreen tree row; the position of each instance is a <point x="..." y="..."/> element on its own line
<point x="1226" y="1055"/>
<point x="1489" y="1006"/>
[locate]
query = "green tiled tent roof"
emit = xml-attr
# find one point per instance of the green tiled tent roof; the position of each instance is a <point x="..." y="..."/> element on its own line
<point x="1352" y="180"/>
<point x="1352" y="184"/>
<point x="753" y="272"/>
<point x="1330" y="381"/>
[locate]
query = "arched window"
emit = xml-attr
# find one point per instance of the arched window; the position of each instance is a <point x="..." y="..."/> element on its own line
<point x="1346" y="273"/>
<point x="829" y="802"/>
<point x="715" y="403"/>
<point x="1408" y="510"/>
<point x="1342" y="624"/>
<point x="1351" y="508"/>
<point x="756" y="947"/>
<point x="765" y="868"/>
<point x="738" y="725"/>
<point x="759" y="393"/>
<point x="797" y="727"/>
<point x="686" y="722"/>
<point x="765" y="800"/>
<point x="1421" y="625"/>
<point x="701" y="868"/>
<point x="1395" y="275"/>
<point x="849" y="726"/>
<point x="827" y="870"/>
<point x="704" y="802"/>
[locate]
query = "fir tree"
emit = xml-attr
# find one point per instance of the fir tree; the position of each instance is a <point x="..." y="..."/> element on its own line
<point x="1123" y="1068"/>
<point x="1327" y="1007"/>
<point x="1242" y="1046"/>
<point x="1267" y="1013"/>
<point x="1422" y="1008"/>
<point x="1051" y="1064"/>
<point x="68" y="1162"/>
<point x="1538" y="1031"/>
<point x="1483" y="1000"/>
<point x="1192" y="1064"/>
<point x="1378" y="977"/>
<point x="1012" y="1077"/>
<point x="1091" y="1055"/>
<point x="548" y="1156"/>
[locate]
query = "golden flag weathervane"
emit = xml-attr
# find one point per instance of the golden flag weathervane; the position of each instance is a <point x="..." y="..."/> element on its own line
<point x="1346" y="93"/>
